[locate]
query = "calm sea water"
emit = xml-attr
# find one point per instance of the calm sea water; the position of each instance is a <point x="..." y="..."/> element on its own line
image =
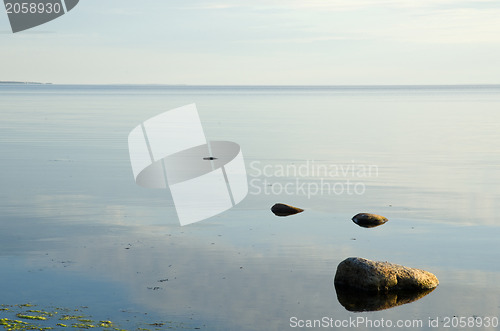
<point x="75" y="229"/>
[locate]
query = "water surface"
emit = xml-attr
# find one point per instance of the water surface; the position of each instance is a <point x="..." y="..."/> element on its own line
<point x="75" y="230"/>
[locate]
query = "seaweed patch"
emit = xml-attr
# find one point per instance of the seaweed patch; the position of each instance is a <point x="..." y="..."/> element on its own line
<point x="29" y="317"/>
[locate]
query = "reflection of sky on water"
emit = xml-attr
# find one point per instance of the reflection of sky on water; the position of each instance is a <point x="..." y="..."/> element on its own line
<point x="264" y="271"/>
<point x="436" y="150"/>
<point x="68" y="195"/>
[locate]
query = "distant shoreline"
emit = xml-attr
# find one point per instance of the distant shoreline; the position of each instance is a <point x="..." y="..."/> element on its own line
<point x="23" y="83"/>
<point x="287" y="87"/>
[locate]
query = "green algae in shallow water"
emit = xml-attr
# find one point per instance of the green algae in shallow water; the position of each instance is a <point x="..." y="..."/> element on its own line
<point x="70" y="317"/>
<point x="31" y="317"/>
<point x="39" y="319"/>
<point x="40" y="312"/>
<point x="106" y="324"/>
<point x="83" y="326"/>
<point x="46" y="320"/>
<point x="9" y="324"/>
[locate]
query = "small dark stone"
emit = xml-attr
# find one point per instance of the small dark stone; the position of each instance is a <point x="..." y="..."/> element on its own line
<point x="367" y="220"/>
<point x="210" y="158"/>
<point x="280" y="209"/>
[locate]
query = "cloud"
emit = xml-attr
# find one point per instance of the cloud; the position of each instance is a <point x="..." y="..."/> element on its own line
<point x="213" y="6"/>
<point x="339" y="5"/>
<point x="413" y="21"/>
<point x="450" y="26"/>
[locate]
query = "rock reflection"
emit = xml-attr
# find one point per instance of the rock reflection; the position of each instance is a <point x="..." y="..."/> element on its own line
<point x="359" y="300"/>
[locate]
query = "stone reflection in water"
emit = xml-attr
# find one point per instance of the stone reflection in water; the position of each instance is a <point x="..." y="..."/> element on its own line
<point x="359" y="300"/>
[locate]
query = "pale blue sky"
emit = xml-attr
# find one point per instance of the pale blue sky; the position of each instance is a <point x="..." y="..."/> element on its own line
<point x="294" y="42"/>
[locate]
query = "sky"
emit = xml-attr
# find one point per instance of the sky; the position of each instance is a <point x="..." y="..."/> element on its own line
<point x="260" y="42"/>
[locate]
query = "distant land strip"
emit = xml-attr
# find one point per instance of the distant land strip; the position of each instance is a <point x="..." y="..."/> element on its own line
<point x="22" y="83"/>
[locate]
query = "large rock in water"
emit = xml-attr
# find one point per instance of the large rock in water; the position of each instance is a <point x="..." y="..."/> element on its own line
<point x="376" y="276"/>
<point x="280" y="209"/>
<point x="368" y="220"/>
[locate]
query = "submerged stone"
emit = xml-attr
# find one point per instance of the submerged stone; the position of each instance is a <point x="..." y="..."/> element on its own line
<point x="368" y="220"/>
<point x="281" y="209"/>
<point x="378" y="276"/>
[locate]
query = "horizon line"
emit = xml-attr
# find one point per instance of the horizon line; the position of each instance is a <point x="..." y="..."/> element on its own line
<point x="250" y="85"/>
